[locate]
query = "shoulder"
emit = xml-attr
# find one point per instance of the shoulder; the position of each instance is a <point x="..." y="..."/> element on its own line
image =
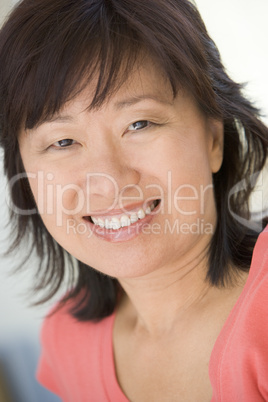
<point x="251" y="311"/>
<point x="66" y="342"/>
<point x="239" y="362"/>
<point x="57" y="320"/>
<point x="60" y="329"/>
<point x="255" y="304"/>
<point x="260" y="253"/>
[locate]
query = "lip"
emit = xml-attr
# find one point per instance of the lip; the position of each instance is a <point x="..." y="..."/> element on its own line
<point x="120" y="211"/>
<point x="123" y="234"/>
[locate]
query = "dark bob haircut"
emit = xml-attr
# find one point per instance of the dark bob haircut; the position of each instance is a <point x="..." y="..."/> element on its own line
<point x="51" y="49"/>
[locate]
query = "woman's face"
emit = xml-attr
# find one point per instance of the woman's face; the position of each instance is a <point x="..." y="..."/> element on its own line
<point x="140" y="167"/>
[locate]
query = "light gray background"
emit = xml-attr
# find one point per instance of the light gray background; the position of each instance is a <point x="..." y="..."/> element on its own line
<point x="240" y="30"/>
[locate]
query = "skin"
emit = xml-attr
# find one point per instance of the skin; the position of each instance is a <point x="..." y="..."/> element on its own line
<point x="169" y="312"/>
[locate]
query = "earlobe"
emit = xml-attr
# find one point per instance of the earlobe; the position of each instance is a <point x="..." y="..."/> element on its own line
<point x="216" y="144"/>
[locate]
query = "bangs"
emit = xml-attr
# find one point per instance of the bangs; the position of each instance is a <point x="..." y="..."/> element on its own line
<point x="63" y="46"/>
<point x="64" y="53"/>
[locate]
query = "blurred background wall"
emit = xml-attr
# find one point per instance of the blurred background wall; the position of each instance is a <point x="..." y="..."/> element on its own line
<point x="240" y="29"/>
<point x="5" y="6"/>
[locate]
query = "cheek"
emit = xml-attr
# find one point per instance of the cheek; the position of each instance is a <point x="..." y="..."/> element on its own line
<point x="183" y="168"/>
<point x="185" y="158"/>
<point x="55" y="198"/>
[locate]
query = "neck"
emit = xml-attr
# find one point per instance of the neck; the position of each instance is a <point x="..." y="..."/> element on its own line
<point x="157" y="302"/>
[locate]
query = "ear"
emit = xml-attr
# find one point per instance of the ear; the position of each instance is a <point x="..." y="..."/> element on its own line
<point x="215" y="144"/>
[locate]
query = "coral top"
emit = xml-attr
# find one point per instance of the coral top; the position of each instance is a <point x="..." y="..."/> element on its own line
<point x="239" y="361"/>
<point x="77" y="357"/>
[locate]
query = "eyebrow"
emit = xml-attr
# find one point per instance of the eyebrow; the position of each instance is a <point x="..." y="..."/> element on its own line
<point x="57" y="119"/>
<point x="136" y="99"/>
<point x="118" y="106"/>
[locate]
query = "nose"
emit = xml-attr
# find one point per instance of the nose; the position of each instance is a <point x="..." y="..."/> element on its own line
<point x="109" y="175"/>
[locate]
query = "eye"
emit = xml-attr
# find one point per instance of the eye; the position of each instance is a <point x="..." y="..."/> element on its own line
<point x="139" y="125"/>
<point x="63" y="143"/>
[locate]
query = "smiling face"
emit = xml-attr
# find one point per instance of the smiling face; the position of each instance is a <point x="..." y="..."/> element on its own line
<point x="127" y="188"/>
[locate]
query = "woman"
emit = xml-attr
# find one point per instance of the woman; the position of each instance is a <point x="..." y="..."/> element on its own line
<point x="136" y="146"/>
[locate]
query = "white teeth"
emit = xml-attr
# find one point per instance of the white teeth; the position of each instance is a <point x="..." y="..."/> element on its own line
<point x="95" y="221"/>
<point x="134" y="218"/>
<point x="125" y="221"/>
<point x="141" y="214"/>
<point x="148" y="210"/>
<point x="116" y="223"/>
<point x="101" y="222"/>
<point x="107" y="224"/>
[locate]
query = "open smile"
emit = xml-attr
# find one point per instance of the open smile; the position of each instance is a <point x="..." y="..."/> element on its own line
<point x="124" y="219"/>
<point x="124" y="226"/>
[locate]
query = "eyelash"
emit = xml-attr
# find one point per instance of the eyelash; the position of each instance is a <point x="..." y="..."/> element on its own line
<point x="71" y="142"/>
<point x="62" y="141"/>
<point x="141" y="121"/>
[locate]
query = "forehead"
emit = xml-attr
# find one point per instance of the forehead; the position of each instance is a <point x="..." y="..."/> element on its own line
<point x="147" y="75"/>
<point x="145" y="81"/>
<point x="144" y="78"/>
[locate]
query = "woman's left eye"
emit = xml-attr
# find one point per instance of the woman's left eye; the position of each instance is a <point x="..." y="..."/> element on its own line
<point x="139" y="125"/>
<point x="63" y="143"/>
